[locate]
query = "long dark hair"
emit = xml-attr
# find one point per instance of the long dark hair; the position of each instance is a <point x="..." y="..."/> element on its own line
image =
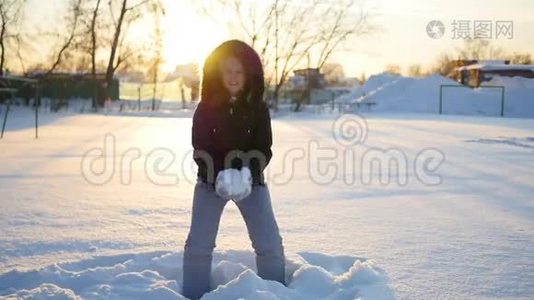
<point x="213" y="90"/>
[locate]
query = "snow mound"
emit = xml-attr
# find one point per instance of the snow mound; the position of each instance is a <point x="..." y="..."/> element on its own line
<point x="394" y="93"/>
<point x="411" y="94"/>
<point x="518" y="93"/>
<point x="158" y="275"/>
<point x="373" y="84"/>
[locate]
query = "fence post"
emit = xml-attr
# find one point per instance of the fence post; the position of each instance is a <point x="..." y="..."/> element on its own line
<point x="502" y="101"/>
<point x="5" y="119"/>
<point x="139" y="98"/>
<point x="440" y="99"/>
<point x="37" y="104"/>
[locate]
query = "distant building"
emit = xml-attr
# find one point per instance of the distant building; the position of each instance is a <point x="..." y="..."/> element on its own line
<point x="304" y="84"/>
<point x="308" y="86"/>
<point x="188" y="75"/>
<point x="60" y="87"/>
<point x="474" y="72"/>
<point x="329" y="94"/>
<point x="73" y="85"/>
<point x="309" y="78"/>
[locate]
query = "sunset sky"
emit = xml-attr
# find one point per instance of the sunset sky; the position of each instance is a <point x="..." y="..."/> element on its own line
<point x="189" y="37"/>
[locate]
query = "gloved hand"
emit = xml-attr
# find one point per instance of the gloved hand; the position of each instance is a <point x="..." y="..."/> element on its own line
<point x="233" y="184"/>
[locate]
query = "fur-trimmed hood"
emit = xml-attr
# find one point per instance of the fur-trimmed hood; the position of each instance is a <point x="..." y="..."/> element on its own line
<point x="213" y="91"/>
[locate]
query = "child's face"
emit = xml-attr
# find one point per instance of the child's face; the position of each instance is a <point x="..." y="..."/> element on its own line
<point x="233" y="75"/>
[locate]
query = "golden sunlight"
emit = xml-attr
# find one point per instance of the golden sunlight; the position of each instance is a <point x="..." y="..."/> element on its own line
<point x="188" y="35"/>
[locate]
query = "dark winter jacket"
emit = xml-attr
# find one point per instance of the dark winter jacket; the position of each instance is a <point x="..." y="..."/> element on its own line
<point x="232" y="134"/>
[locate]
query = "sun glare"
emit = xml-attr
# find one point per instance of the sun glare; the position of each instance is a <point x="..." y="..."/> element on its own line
<point x="188" y="35"/>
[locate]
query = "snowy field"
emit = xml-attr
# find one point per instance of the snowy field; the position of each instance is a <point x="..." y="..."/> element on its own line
<point x="394" y="93"/>
<point x="457" y="222"/>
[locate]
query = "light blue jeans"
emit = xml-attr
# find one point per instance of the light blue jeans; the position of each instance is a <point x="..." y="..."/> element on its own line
<point x="262" y="228"/>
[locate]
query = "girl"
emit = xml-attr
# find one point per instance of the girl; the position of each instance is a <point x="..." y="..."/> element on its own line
<point x="231" y="132"/>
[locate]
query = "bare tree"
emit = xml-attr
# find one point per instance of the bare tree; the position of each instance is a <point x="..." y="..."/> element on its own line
<point x="157" y="60"/>
<point x="20" y="43"/>
<point x="94" y="24"/>
<point x="393" y="69"/>
<point x="107" y="48"/>
<point x="112" y="64"/>
<point x="285" y="32"/>
<point x="333" y="73"/>
<point x="443" y="65"/>
<point x="10" y="18"/>
<point x="73" y="25"/>
<point x="92" y="30"/>
<point x="521" y="58"/>
<point x="343" y="26"/>
<point x="415" y="70"/>
<point x="473" y="49"/>
<point x="479" y="49"/>
<point x="119" y="52"/>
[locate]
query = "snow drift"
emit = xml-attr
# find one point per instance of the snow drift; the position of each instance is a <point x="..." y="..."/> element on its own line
<point x="395" y="93"/>
<point x="158" y="275"/>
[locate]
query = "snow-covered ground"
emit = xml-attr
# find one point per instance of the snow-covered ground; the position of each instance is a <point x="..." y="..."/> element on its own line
<point x="394" y="93"/>
<point x="462" y="229"/>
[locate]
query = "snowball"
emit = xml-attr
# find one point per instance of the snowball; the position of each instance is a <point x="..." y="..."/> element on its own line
<point x="234" y="184"/>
